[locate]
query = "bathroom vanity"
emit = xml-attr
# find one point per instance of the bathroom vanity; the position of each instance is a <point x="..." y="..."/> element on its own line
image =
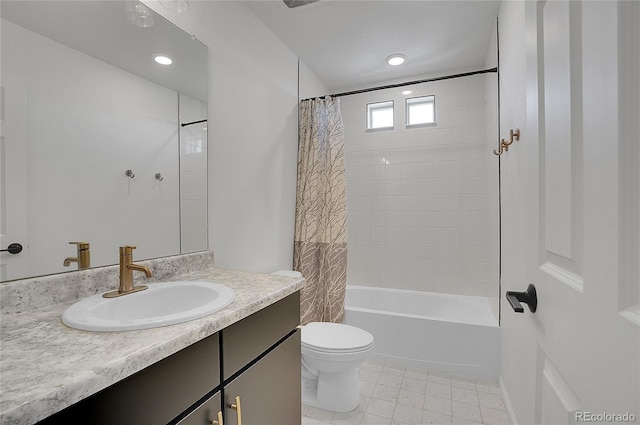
<point x="243" y="360"/>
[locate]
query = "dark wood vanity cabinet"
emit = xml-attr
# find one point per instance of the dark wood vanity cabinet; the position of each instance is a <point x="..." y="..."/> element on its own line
<point x="256" y="359"/>
<point x="154" y="395"/>
<point x="206" y="413"/>
<point x="261" y="366"/>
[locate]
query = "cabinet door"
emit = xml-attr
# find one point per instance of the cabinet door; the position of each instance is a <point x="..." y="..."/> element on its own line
<point x="206" y="414"/>
<point x="269" y="390"/>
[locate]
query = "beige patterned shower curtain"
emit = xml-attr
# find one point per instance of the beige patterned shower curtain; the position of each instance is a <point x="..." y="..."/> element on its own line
<point x="320" y="245"/>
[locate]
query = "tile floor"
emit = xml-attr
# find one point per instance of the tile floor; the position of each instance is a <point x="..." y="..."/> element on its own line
<point x="392" y="395"/>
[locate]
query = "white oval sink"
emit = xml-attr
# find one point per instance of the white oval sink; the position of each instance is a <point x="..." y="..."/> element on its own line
<point x="164" y="303"/>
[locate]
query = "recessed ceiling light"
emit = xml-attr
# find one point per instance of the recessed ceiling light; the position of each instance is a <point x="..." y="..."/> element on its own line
<point x="407" y="92"/>
<point x="396" y="59"/>
<point x="163" y="60"/>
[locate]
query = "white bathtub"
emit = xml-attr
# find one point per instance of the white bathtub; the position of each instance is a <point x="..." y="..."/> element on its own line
<point x="457" y="334"/>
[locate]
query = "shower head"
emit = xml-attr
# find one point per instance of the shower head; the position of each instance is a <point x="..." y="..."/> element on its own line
<point x="297" y="3"/>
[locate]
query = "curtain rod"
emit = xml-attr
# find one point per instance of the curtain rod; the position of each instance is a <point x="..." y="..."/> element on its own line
<point x="192" y="122"/>
<point x="409" y="83"/>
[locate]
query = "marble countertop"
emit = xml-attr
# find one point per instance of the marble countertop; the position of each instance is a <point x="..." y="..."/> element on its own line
<point x="46" y="366"/>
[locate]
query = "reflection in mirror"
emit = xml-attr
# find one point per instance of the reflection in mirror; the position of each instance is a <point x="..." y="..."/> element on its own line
<point x="94" y="153"/>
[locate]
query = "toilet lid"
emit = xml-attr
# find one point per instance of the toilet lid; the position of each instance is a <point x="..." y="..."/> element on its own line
<point x="335" y="337"/>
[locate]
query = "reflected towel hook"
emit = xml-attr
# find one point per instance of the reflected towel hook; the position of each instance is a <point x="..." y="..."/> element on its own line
<point x="504" y="145"/>
<point x="130" y="174"/>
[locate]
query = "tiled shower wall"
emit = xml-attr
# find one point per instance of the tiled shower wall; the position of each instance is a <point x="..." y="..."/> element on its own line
<point x="193" y="176"/>
<point x="422" y="202"/>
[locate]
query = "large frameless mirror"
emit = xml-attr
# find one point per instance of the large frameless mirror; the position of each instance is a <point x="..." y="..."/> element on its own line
<point x="101" y="144"/>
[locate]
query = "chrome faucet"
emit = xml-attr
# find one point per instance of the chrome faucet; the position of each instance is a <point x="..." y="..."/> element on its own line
<point x="127" y="266"/>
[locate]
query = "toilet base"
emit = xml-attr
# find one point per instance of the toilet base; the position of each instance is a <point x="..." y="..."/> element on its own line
<point x="337" y="392"/>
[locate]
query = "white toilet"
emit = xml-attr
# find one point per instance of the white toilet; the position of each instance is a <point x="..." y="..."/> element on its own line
<point x="331" y="353"/>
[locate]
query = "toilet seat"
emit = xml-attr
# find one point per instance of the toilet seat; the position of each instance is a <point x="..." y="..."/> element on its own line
<point x="335" y="338"/>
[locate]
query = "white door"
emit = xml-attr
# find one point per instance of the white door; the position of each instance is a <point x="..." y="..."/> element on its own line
<point x="13" y="175"/>
<point x="583" y="160"/>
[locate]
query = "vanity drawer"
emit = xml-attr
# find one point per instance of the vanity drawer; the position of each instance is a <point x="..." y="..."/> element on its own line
<point x="245" y="340"/>
<point x="155" y="395"/>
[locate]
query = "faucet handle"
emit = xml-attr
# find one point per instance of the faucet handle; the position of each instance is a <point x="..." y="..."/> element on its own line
<point x="127" y="250"/>
<point x="81" y="245"/>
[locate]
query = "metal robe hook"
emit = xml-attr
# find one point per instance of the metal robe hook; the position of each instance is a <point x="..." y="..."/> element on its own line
<point x="504" y="145"/>
<point x="130" y="174"/>
<point x="159" y="177"/>
<point x="499" y="152"/>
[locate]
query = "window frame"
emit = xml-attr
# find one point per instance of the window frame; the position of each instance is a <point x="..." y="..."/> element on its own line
<point x="407" y="103"/>
<point x="370" y="110"/>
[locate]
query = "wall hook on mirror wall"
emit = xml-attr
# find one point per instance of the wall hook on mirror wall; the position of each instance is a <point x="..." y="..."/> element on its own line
<point x="130" y="174"/>
<point x="159" y="177"/>
<point x="504" y="145"/>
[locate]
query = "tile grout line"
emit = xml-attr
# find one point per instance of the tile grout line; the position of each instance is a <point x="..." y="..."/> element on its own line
<point x="409" y="381"/>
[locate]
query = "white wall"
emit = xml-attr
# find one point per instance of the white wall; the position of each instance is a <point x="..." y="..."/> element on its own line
<point x="418" y="198"/>
<point x="88" y="122"/>
<point x="310" y="84"/>
<point x="516" y="349"/>
<point x="253" y="119"/>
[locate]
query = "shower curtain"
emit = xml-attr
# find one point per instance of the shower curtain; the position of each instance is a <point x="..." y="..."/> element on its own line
<point x="320" y="245"/>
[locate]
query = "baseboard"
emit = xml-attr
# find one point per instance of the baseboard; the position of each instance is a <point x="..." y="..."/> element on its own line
<point x="461" y="369"/>
<point x="507" y="402"/>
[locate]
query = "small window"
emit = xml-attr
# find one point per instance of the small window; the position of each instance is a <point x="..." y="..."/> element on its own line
<point x="380" y="115"/>
<point x="421" y="110"/>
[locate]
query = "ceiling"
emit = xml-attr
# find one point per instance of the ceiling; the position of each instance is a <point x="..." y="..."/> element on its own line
<point x="100" y="29"/>
<point x="345" y="42"/>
